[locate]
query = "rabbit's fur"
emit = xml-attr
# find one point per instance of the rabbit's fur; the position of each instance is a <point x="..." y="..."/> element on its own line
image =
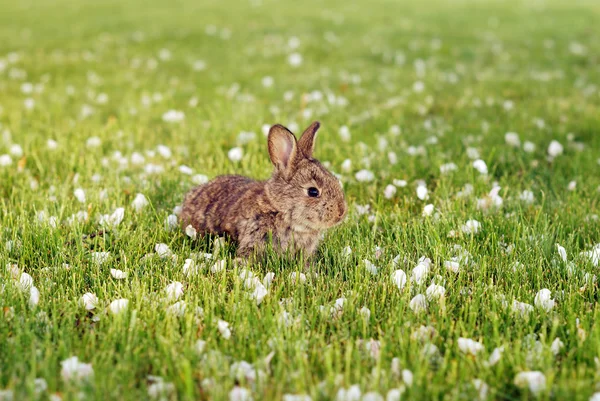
<point x="279" y="209"/>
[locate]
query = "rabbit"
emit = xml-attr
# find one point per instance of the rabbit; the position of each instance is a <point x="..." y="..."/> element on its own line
<point x="290" y="210"/>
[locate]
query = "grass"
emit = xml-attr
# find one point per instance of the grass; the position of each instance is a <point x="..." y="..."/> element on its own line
<point x="98" y="69"/>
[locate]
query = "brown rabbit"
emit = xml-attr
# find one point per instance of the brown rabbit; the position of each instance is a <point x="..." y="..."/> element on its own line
<point x="292" y="208"/>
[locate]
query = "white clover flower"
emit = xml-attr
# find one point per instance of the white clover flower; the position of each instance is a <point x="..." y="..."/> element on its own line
<point x="522" y="308"/>
<point x="370" y="267"/>
<point x="364" y="176"/>
<point x="556" y="346"/>
<point x="480" y="166"/>
<point x="163" y="250"/>
<point x="344" y="133"/>
<point x="555" y="149"/>
<point x="470" y="346"/>
<point x="118" y="274"/>
<point x="139" y="202"/>
<point x="496" y="356"/>
<point x="100" y="258"/>
<point x="296" y="397"/>
<point x="448" y="168"/>
<point x="159" y="389"/>
<point x="171" y="222"/>
<point x="527" y="197"/>
<point x="529" y="147"/>
<point x="174" y="291"/>
<point x="535" y="381"/>
<point x="421" y="271"/>
<point x="418" y="303"/>
<point x="543" y="300"/>
<point x="422" y="192"/>
<point x="118" y="305"/>
<point x="89" y="301"/>
<point x="235" y="154"/>
<point x="399" y="278"/>
<point x="199" y="179"/>
<point x="471" y="227"/>
<point x="93" y="142"/>
<point x="34" y="296"/>
<point x="512" y="139"/>
<point x="218" y="266"/>
<point x="75" y="371"/>
<point x="177" y="309"/>
<point x="223" y="328"/>
<point x="80" y="195"/>
<point x="295" y="59"/>
<point x="389" y="191"/>
<point x="428" y="210"/>
<point x="435" y="291"/>
<point x="16" y="150"/>
<point x="191" y="232"/>
<point x="51" y="144"/>
<point x="240" y="394"/>
<point x="418" y="87"/>
<point x="352" y="393"/>
<point x="5" y="160"/>
<point x="173" y="116"/>
<point x="562" y="253"/>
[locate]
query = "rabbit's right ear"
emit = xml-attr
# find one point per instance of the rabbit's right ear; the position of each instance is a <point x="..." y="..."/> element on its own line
<point x="282" y="148"/>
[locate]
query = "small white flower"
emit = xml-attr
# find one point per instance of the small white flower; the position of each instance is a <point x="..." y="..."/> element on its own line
<point x="118" y="274"/>
<point x="25" y="282"/>
<point x="399" y="278"/>
<point x="420" y="272"/>
<point x="389" y="191"/>
<point x="352" y="393"/>
<point x="235" y="154"/>
<point x="428" y="210"/>
<point x="372" y="396"/>
<point x="139" y="202"/>
<point x="89" y="301"/>
<point x="200" y="346"/>
<point x="471" y="227"/>
<point x="522" y="308"/>
<point x="370" y="267"/>
<point x="482" y="388"/>
<point x="259" y="293"/>
<point x="298" y="277"/>
<point x="448" y="168"/>
<point x="400" y="183"/>
<point x="174" y="291"/>
<point x="191" y="232"/>
<point x="173" y="116"/>
<point x="118" y="305"/>
<point x="422" y="192"/>
<point x="34" y="296"/>
<point x="469" y="346"/>
<point x="296" y="397"/>
<point x="160" y="390"/>
<point x="240" y="394"/>
<point x="163" y="250"/>
<point x="595" y="397"/>
<point x="572" y="186"/>
<point x="407" y="377"/>
<point x="418" y="87"/>
<point x="100" y="258"/>
<point x="529" y="147"/>
<point x="295" y="59"/>
<point x="365" y="313"/>
<point x="177" y="309"/>
<point x="555" y="149"/>
<point x="40" y="385"/>
<point x="556" y="346"/>
<point x="418" y="303"/>
<point x="73" y="370"/>
<point x="543" y="300"/>
<point x="183" y="169"/>
<point x="512" y="139"/>
<point x="93" y="142"/>
<point x="562" y="253"/>
<point x="16" y="150"/>
<point x="5" y="160"/>
<point x="51" y="144"/>
<point x="535" y="381"/>
<point x="223" y="328"/>
<point x="218" y="266"/>
<point x="199" y="179"/>
<point x="394" y="394"/>
<point x="364" y="176"/>
<point x="80" y="195"/>
<point x="496" y="356"/>
<point x="171" y="222"/>
<point x="114" y="219"/>
<point x="480" y="166"/>
<point x="435" y="291"/>
<point x="527" y="197"/>
<point x="344" y="133"/>
<point x="190" y="267"/>
<point x="268" y="81"/>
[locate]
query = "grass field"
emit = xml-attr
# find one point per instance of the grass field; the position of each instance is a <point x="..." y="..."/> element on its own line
<point x="426" y="108"/>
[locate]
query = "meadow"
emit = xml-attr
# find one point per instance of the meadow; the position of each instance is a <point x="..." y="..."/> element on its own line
<point x="466" y="135"/>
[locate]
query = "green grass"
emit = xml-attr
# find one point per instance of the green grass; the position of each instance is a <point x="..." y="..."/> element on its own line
<point x="479" y="58"/>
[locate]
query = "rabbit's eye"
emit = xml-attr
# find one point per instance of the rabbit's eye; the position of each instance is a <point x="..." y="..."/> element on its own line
<point x="313" y="192"/>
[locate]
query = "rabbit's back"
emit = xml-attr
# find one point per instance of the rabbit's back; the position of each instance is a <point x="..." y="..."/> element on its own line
<point x="217" y="206"/>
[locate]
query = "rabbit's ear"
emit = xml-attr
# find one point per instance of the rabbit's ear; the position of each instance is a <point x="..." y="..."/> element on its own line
<point x="282" y="148"/>
<point x="306" y="144"/>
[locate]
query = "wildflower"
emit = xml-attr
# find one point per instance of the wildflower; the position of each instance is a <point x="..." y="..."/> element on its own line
<point x="139" y="202"/>
<point x="471" y="227"/>
<point x="428" y="210"/>
<point x="535" y="381"/>
<point x="364" y="176"/>
<point x="190" y="231"/>
<point x="174" y="291"/>
<point x="235" y="154"/>
<point x="543" y="300"/>
<point x="469" y="346"/>
<point x="418" y="303"/>
<point x="173" y="116"/>
<point x="119" y="305"/>
<point x="389" y="191"/>
<point x="73" y="370"/>
<point x="480" y="166"/>
<point x="512" y="139"/>
<point x="118" y="274"/>
<point x="555" y="149"/>
<point x="295" y="59"/>
<point x="89" y="301"/>
<point x="223" y="328"/>
<point x="496" y="356"/>
<point x="399" y="278"/>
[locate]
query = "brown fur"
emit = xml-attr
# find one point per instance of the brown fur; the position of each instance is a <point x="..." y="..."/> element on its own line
<point x="252" y="212"/>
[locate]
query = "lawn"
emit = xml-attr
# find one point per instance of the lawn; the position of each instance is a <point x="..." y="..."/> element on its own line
<point x="466" y="135"/>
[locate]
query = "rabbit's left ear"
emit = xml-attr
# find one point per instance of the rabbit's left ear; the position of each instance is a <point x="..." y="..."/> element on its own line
<point x="306" y="143"/>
